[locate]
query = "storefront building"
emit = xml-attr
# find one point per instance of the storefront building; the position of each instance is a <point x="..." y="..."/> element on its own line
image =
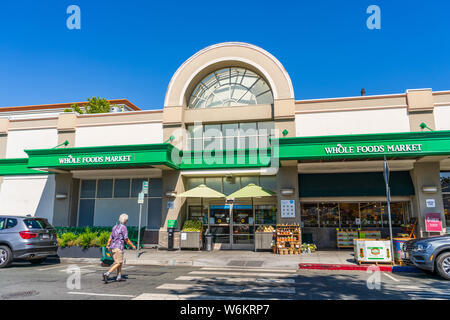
<point x="230" y="119"/>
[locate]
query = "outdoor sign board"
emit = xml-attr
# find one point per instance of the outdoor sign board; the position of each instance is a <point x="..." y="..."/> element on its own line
<point x="145" y="187"/>
<point x="431" y="203"/>
<point x="287" y="208"/>
<point x="141" y="198"/>
<point x="433" y="222"/>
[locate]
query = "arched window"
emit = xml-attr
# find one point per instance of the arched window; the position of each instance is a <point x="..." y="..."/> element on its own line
<point x="231" y="87"/>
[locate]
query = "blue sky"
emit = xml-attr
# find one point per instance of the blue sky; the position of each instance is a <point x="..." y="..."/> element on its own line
<point x="130" y="49"/>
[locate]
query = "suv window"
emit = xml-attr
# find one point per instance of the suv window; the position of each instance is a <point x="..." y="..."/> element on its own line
<point x="2" y="223"/>
<point x="37" y="224"/>
<point x="11" y="223"/>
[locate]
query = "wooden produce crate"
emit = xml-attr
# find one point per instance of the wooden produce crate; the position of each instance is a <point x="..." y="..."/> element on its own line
<point x="345" y="238"/>
<point x="191" y="240"/>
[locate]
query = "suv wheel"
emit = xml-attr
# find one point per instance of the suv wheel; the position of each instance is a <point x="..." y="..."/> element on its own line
<point x="5" y="256"/>
<point x="443" y="265"/>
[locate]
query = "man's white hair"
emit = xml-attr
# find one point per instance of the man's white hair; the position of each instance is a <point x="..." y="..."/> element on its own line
<point x="123" y="218"/>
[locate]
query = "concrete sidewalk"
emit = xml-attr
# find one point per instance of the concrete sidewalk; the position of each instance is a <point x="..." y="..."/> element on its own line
<point x="235" y="258"/>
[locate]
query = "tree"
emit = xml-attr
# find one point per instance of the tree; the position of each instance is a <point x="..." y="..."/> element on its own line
<point x="94" y="105"/>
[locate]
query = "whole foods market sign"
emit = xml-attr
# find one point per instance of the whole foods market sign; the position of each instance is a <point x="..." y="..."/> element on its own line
<point x="371" y="149"/>
<point x="86" y="160"/>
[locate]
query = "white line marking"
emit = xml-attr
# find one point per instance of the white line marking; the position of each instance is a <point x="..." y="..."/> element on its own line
<point x="258" y="274"/>
<point x="211" y="279"/>
<point x="102" y="294"/>
<point x="391" y="277"/>
<point x="249" y="269"/>
<point x="162" y="296"/>
<point x="253" y="289"/>
<point x="56" y="267"/>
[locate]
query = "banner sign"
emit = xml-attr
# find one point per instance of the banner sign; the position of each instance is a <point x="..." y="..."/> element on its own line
<point x="433" y="222"/>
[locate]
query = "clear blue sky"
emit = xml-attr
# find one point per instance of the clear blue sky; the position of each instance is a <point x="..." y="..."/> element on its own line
<point x="130" y="49"/>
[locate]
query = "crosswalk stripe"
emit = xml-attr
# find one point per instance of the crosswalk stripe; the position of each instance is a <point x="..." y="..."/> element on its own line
<point x="253" y="289"/>
<point x="211" y="279"/>
<point x="102" y="294"/>
<point x="169" y="296"/>
<point x="258" y="274"/>
<point x="50" y="268"/>
<point x="248" y="269"/>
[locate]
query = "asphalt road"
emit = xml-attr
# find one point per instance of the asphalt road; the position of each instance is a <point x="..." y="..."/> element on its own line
<point x="50" y="281"/>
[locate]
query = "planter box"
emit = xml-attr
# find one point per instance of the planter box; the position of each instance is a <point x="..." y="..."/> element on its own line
<point x="263" y="240"/>
<point x="79" y="252"/>
<point x="191" y="240"/>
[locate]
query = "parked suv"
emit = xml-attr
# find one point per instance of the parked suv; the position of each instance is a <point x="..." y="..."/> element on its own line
<point x="430" y="254"/>
<point x="28" y="238"/>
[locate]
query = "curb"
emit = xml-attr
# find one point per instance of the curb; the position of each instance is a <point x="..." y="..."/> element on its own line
<point x="351" y="267"/>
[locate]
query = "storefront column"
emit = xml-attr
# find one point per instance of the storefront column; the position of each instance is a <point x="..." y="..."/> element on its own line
<point x="287" y="178"/>
<point x="63" y="200"/>
<point x="426" y="174"/>
<point x="172" y="182"/>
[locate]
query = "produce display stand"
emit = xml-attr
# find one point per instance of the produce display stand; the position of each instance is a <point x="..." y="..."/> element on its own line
<point x="376" y="235"/>
<point x="191" y="240"/>
<point x="288" y="239"/>
<point x="345" y="238"/>
<point x="373" y="251"/>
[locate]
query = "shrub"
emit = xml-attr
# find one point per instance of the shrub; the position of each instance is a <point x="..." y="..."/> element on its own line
<point x="192" y="225"/>
<point x="67" y="239"/>
<point x="101" y="240"/>
<point x="85" y="239"/>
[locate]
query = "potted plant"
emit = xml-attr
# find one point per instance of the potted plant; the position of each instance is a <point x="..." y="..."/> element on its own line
<point x="191" y="235"/>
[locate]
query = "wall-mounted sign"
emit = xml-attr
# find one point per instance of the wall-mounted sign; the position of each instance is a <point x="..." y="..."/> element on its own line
<point x="431" y="203"/>
<point x="98" y="159"/>
<point x="377" y="148"/>
<point x="433" y="222"/>
<point x="287" y="208"/>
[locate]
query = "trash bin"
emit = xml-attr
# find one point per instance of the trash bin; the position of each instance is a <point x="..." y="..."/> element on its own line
<point x="171" y="235"/>
<point x="209" y="242"/>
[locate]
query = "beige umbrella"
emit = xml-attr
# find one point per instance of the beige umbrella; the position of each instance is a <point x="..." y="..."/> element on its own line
<point x="202" y="191"/>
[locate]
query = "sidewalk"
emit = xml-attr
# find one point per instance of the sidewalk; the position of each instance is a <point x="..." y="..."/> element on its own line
<point x="236" y="258"/>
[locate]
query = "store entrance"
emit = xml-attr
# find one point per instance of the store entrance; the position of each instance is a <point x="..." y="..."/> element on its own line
<point x="233" y="226"/>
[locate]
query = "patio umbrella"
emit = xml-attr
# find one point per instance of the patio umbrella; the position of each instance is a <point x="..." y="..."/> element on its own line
<point x="202" y="191"/>
<point x="251" y="191"/>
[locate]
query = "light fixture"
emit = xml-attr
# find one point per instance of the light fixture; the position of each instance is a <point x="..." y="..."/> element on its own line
<point x="171" y="194"/>
<point x="287" y="192"/>
<point x="61" y="196"/>
<point x="429" y="189"/>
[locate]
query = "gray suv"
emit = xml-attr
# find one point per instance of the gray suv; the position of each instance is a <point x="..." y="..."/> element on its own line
<point x="27" y="238"/>
<point x="430" y="254"/>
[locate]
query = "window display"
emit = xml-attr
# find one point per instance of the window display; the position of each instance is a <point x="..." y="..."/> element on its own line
<point x="349" y="214"/>
<point x="371" y="214"/>
<point x="309" y="216"/>
<point x="266" y="214"/>
<point x="329" y="214"/>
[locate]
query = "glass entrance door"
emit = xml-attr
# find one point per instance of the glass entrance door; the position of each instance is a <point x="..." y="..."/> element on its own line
<point x="243" y="227"/>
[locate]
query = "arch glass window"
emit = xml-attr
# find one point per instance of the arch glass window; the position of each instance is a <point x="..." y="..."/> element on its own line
<point x="231" y="87"/>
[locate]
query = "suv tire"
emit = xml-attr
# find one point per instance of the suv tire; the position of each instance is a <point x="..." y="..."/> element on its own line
<point x="5" y="256"/>
<point x="443" y="265"/>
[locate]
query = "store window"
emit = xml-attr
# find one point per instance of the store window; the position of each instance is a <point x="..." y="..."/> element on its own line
<point x="445" y="185"/>
<point x="329" y="214"/>
<point x="230" y="87"/>
<point x="266" y="214"/>
<point x="103" y="200"/>
<point x="371" y="214"/>
<point x="230" y="136"/>
<point x="310" y="215"/>
<point x="105" y="188"/>
<point x="349" y="213"/>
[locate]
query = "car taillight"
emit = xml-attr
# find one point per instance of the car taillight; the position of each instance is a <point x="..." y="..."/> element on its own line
<point x="27" y="234"/>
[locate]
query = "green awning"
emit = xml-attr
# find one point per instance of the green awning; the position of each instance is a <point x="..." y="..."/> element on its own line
<point x="251" y="191"/>
<point x="202" y="191"/>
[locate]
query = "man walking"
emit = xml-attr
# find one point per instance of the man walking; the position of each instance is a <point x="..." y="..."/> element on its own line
<point x="116" y="242"/>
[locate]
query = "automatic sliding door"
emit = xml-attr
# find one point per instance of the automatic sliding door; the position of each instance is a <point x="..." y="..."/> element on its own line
<point x="219" y="222"/>
<point x="243" y="225"/>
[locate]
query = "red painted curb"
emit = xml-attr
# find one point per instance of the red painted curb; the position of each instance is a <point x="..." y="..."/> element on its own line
<point x="320" y="266"/>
